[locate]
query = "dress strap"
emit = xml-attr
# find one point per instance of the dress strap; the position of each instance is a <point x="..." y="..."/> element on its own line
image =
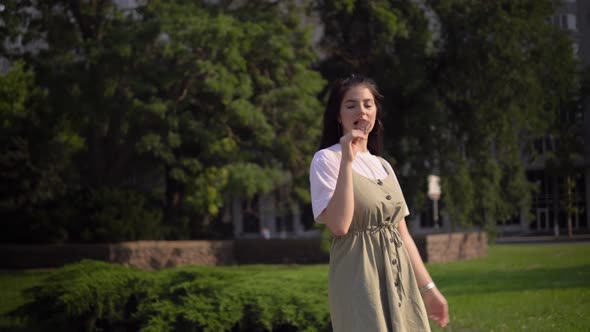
<point x="387" y="169"/>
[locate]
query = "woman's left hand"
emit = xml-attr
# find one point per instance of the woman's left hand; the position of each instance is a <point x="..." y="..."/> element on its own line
<point x="436" y="306"/>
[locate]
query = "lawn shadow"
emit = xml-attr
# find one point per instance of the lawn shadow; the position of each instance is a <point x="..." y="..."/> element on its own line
<point x="15" y="325"/>
<point x="534" y="278"/>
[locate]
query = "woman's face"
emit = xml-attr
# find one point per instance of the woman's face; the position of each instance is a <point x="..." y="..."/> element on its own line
<point x="358" y="110"/>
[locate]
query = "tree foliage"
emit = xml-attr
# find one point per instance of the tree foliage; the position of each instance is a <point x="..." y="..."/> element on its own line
<point x="35" y="165"/>
<point x="187" y="104"/>
<point x="469" y="85"/>
<point x="524" y="66"/>
<point x="165" y="111"/>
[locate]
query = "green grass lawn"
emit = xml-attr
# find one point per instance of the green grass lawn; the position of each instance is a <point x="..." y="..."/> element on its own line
<point x="519" y="288"/>
<point x="515" y="288"/>
<point x="11" y="285"/>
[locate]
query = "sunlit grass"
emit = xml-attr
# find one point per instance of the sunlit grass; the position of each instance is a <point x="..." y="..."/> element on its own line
<point x="514" y="288"/>
<point x="519" y="288"/>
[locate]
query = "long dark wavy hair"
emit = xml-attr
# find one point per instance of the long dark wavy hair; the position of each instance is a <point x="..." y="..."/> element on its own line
<point x="332" y="131"/>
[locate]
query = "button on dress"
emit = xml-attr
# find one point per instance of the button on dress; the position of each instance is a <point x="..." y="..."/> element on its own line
<point x="372" y="287"/>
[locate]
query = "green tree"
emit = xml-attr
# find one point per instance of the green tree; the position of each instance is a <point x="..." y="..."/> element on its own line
<point x="501" y="74"/>
<point x="35" y="166"/>
<point x="187" y="103"/>
<point x="468" y="85"/>
<point x="249" y="95"/>
<point x="81" y="53"/>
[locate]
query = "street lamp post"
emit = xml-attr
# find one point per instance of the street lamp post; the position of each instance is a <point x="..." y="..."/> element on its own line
<point x="434" y="194"/>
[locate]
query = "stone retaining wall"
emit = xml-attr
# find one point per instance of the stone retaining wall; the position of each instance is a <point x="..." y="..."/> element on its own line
<point x="449" y="247"/>
<point x="151" y="255"/>
<point x="146" y="255"/>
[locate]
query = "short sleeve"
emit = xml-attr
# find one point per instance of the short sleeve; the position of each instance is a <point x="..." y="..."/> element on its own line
<point x="323" y="175"/>
<point x="390" y="169"/>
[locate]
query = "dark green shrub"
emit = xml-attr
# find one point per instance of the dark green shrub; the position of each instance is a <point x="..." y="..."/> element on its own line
<point x="85" y="296"/>
<point x="94" y="296"/>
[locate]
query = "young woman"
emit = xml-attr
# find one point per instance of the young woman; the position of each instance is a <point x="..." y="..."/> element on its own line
<point x="377" y="281"/>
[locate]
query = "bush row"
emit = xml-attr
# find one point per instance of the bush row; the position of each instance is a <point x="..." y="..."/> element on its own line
<point x="97" y="296"/>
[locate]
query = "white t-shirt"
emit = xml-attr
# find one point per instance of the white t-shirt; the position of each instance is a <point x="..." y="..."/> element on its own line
<point x="324" y="169"/>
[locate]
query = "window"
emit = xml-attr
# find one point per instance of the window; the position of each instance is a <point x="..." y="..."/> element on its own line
<point x="571" y="23"/>
<point x="251" y="215"/>
<point x="564" y="21"/>
<point x="576" y="49"/>
<point x="544" y="144"/>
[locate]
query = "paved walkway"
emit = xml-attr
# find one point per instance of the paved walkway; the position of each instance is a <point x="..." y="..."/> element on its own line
<point x="542" y="239"/>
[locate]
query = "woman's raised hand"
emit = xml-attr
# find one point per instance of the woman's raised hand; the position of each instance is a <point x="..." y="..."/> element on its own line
<point x="353" y="142"/>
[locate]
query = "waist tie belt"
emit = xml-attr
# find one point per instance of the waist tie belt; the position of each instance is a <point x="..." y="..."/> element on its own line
<point x="397" y="242"/>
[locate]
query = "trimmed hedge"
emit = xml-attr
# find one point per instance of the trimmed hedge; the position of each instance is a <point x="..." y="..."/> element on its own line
<point x="97" y="296"/>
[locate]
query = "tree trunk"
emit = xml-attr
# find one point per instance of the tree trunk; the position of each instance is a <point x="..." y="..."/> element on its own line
<point x="569" y="204"/>
<point x="569" y="226"/>
<point x="174" y="198"/>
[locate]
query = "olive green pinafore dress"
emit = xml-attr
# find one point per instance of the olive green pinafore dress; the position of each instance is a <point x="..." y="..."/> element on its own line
<point x="372" y="287"/>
